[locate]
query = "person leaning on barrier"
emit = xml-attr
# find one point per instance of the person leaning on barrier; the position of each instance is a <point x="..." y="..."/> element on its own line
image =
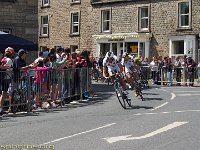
<point x="160" y="75"/>
<point x="154" y="69"/>
<point x="19" y="72"/>
<point x="54" y="75"/>
<point x="145" y="64"/>
<point x="177" y="68"/>
<point x="169" y="68"/>
<point x="191" y="70"/>
<point x="41" y="57"/>
<point x="6" y="75"/>
<point x="185" y="71"/>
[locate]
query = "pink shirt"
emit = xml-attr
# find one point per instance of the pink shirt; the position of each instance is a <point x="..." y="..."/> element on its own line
<point x="39" y="74"/>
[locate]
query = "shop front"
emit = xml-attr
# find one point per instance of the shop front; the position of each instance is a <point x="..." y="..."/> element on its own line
<point x="132" y="43"/>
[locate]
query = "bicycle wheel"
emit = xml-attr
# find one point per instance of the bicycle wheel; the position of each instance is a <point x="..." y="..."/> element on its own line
<point x="120" y="95"/>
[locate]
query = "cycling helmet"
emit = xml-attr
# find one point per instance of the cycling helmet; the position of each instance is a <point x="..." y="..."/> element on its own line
<point x="136" y="60"/>
<point x="109" y="54"/>
<point x="125" y="55"/>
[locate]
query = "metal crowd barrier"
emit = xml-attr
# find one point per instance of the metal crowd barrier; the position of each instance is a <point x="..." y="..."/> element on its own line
<point x="189" y="76"/>
<point x="34" y="87"/>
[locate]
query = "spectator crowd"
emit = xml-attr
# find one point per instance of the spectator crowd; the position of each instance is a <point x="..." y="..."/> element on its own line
<point x="45" y="73"/>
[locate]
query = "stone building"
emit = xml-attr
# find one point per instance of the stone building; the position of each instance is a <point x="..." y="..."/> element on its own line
<point x="65" y="23"/>
<point x="142" y="27"/>
<point x="20" y="18"/>
<point x="147" y="27"/>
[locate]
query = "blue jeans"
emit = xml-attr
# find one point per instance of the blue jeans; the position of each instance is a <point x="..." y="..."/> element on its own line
<point x="169" y="78"/>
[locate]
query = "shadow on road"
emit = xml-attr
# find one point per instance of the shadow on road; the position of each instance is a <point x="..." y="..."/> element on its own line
<point x="153" y="99"/>
<point x="140" y="107"/>
<point x="150" y="94"/>
<point x="102" y="94"/>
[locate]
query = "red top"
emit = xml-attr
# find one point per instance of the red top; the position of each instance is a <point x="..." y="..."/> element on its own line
<point x="39" y="74"/>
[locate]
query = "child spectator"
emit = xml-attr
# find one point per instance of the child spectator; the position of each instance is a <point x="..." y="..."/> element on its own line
<point x="38" y="83"/>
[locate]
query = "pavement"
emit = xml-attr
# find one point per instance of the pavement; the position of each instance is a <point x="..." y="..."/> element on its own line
<point x="168" y="119"/>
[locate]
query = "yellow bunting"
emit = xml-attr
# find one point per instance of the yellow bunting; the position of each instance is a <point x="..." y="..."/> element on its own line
<point x="124" y="36"/>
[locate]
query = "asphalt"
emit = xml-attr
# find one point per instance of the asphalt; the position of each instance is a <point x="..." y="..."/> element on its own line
<point x="90" y="125"/>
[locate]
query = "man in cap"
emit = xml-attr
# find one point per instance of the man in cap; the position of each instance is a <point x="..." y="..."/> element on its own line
<point x="19" y="69"/>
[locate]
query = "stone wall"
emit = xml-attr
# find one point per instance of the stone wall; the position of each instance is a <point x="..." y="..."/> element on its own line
<point x="59" y="24"/>
<point x="20" y="16"/>
<point x="163" y="20"/>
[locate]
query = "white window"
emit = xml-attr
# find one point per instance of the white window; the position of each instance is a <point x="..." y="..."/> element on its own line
<point x="184" y="14"/>
<point x="76" y="1"/>
<point x="144" y="18"/>
<point x="182" y="45"/>
<point x="45" y="25"/>
<point x="45" y="3"/>
<point x="105" y="20"/>
<point x="75" y="23"/>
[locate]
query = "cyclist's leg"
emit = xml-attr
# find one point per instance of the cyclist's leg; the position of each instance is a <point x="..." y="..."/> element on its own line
<point x="111" y="75"/>
<point x="129" y="79"/>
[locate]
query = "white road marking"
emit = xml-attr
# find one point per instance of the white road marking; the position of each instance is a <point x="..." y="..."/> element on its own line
<point x="173" y="96"/>
<point x="188" y="94"/>
<point x="57" y="140"/>
<point x="180" y="111"/>
<point x="128" y="137"/>
<point x="187" y="91"/>
<point x="160" y="106"/>
<point x="178" y="87"/>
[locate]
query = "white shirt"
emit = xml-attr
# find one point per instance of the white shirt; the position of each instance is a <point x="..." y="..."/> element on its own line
<point x="111" y="65"/>
<point x="154" y="66"/>
<point x="38" y="59"/>
<point x="127" y="64"/>
<point x="9" y="63"/>
<point x="59" y="58"/>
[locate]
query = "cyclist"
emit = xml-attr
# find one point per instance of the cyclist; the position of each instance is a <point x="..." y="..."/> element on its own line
<point x="110" y="61"/>
<point x="127" y="64"/>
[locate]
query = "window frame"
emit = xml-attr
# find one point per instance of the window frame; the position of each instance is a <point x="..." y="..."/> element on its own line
<point x="75" y="2"/>
<point x="45" y="5"/>
<point x="71" y="47"/>
<point x="102" y="21"/>
<point x="44" y="26"/>
<point x="140" y="19"/>
<point x="189" y="15"/>
<point x="72" y="23"/>
<point x="187" y="39"/>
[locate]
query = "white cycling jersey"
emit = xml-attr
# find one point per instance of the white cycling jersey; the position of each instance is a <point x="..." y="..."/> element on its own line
<point x="112" y="65"/>
<point x="127" y="64"/>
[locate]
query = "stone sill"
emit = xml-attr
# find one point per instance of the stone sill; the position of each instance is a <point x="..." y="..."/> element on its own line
<point x="94" y="2"/>
<point x="183" y="28"/>
<point x="46" y="6"/>
<point x="74" y="3"/>
<point x="106" y="32"/>
<point x="44" y="36"/>
<point x="73" y="35"/>
<point x="144" y="31"/>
